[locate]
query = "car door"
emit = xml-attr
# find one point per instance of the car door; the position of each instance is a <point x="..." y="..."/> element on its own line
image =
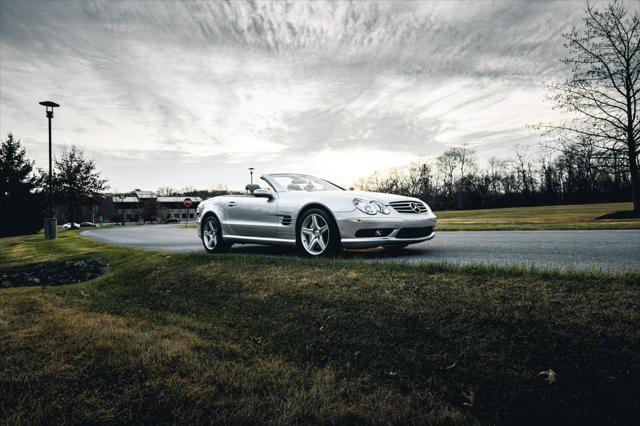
<point x="250" y="216"/>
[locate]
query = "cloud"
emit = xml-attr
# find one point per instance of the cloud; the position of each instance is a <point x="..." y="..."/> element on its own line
<point x="190" y="93"/>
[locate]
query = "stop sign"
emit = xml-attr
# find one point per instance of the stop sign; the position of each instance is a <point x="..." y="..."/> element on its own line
<point x="187" y="202"/>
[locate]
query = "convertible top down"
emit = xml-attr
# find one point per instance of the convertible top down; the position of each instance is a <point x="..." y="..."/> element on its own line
<point x="317" y="216"/>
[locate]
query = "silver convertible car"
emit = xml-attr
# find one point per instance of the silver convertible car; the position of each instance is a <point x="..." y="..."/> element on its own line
<point x="317" y="216"/>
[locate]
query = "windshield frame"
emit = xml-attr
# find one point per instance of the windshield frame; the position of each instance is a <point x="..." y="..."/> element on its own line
<point x="273" y="183"/>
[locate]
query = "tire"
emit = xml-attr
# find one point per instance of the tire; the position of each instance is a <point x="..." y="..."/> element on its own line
<point x="211" y="234"/>
<point x="316" y="234"/>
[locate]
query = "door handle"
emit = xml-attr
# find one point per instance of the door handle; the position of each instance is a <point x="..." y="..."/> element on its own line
<point x="232" y="203"/>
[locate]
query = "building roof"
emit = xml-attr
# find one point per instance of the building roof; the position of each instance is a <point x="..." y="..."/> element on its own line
<point x="117" y="199"/>
<point x="145" y="194"/>
<point x="178" y="199"/>
<point x="142" y="196"/>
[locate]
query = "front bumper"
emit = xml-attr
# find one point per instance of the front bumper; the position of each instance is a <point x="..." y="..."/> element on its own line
<point x="349" y="223"/>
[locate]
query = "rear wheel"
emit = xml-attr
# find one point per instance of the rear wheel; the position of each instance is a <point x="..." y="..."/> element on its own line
<point x="317" y="235"/>
<point x="212" y="235"/>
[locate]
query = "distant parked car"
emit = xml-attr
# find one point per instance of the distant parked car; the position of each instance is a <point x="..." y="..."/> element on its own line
<point x="87" y="225"/>
<point x="70" y="225"/>
<point x="171" y="220"/>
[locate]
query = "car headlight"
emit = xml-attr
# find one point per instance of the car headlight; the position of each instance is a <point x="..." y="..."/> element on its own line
<point x="364" y="206"/>
<point x="370" y="207"/>
<point x="380" y="207"/>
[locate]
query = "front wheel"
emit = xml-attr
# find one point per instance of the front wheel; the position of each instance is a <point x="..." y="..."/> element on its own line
<point x="212" y="235"/>
<point x="317" y="235"/>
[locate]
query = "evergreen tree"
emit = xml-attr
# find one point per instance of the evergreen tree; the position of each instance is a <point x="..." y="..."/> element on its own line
<point x="20" y="201"/>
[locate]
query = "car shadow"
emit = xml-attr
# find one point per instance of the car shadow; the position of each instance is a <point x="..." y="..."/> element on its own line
<point x="374" y="253"/>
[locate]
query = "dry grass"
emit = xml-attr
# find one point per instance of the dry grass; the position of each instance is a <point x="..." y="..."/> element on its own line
<point x="233" y="339"/>
<point x="575" y="216"/>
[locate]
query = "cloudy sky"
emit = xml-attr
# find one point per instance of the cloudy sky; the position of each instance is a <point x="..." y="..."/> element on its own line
<point x="192" y="93"/>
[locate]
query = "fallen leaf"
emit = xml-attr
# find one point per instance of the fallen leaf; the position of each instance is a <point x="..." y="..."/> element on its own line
<point x="551" y="375"/>
<point x="469" y="397"/>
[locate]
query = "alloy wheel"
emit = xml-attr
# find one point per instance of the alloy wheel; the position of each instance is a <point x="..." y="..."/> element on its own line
<point x="210" y="234"/>
<point x="314" y="234"/>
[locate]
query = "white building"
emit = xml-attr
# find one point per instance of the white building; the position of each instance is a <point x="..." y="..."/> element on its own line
<point x="132" y="206"/>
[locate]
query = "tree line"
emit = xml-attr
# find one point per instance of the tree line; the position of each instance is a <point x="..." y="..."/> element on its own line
<point x="455" y="180"/>
<point x="76" y="184"/>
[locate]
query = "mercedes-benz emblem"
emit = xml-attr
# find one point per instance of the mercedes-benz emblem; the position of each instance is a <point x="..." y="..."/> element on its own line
<point x="415" y="207"/>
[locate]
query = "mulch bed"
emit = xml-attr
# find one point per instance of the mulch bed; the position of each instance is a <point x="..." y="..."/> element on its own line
<point x="52" y="273"/>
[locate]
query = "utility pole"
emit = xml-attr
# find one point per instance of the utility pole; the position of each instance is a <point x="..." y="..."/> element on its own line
<point x="123" y="209"/>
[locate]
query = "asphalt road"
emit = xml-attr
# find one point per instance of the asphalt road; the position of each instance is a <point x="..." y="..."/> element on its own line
<point x="600" y="250"/>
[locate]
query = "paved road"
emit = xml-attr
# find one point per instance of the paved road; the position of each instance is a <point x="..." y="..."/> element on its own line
<point x="602" y="250"/>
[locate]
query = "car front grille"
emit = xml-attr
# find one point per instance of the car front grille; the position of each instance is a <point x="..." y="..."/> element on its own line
<point x="414" y="232"/>
<point x="415" y="207"/>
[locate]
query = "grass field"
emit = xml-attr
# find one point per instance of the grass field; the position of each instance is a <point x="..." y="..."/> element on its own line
<point x="574" y="216"/>
<point x="198" y="339"/>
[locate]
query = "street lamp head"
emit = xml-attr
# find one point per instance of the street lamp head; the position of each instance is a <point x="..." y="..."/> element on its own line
<point x="49" y="104"/>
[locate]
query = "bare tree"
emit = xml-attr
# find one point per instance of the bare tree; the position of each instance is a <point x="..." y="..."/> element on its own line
<point x="602" y="91"/>
<point x="456" y="158"/>
<point x="495" y="171"/>
<point x="418" y="180"/>
<point x="464" y="155"/>
<point x="447" y="164"/>
<point x="76" y="181"/>
<point x="165" y="191"/>
<point x="549" y="176"/>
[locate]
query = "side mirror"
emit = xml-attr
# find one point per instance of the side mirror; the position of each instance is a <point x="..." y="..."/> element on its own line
<point x="263" y="193"/>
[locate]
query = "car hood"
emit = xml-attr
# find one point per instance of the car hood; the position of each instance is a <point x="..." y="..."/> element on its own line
<point x="378" y="196"/>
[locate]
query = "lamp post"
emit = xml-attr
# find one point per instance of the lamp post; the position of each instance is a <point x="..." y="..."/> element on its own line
<point x="251" y="169"/>
<point x="50" y="223"/>
<point x="124" y="212"/>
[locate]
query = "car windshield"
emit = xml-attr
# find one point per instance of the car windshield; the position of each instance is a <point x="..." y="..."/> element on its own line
<point x="286" y="182"/>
